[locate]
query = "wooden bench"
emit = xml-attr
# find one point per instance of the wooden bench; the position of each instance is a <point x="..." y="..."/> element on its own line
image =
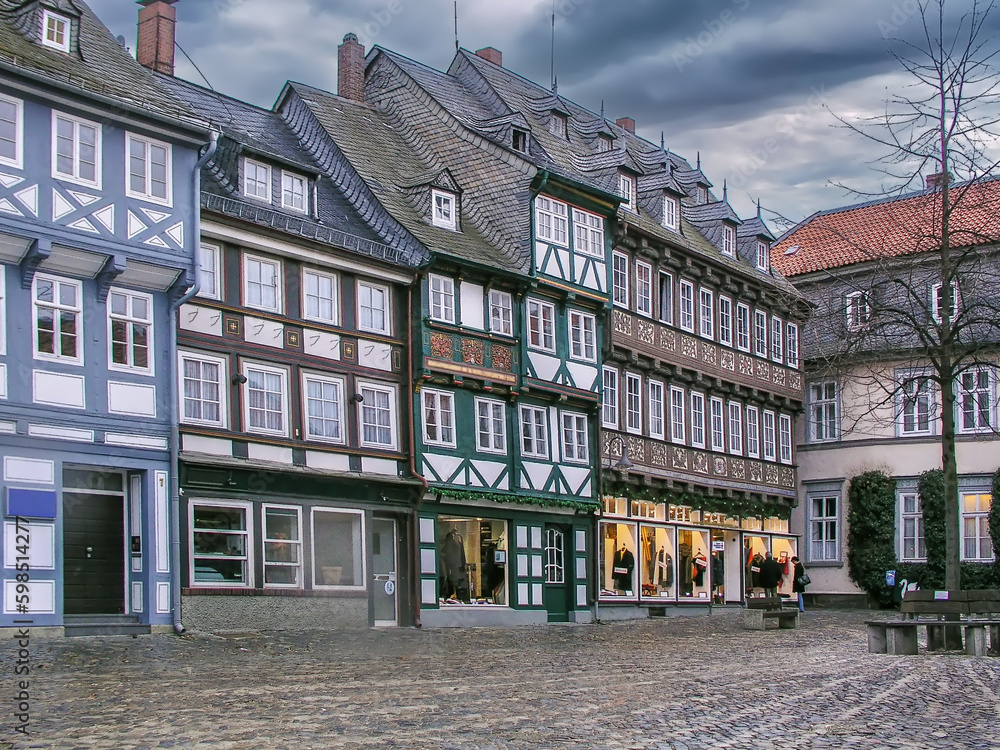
<point x="945" y="614"/>
<point x="984" y="620"/>
<point x="758" y="610"/>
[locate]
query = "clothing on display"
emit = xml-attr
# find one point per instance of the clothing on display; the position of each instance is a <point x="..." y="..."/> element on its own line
<point x="454" y="570"/>
<point x="622" y="567"/>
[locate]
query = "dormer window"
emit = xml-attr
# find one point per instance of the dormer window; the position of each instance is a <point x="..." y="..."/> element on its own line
<point x="604" y="143"/>
<point x="626" y="189"/>
<point x="257" y="180"/>
<point x="702" y="193"/>
<point x="293" y="192"/>
<point x="55" y="31"/>
<point x="670" y="212"/>
<point x="728" y="240"/>
<point x="519" y="141"/>
<point x="443" y="210"/>
<point x="763" y="259"/>
<point x="557" y="125"/>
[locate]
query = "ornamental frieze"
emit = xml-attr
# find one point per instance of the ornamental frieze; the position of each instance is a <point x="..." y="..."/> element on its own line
<point x="659" y="453"/>
<point x="636" y="448"/>
<point x="623" y="323"/>
<point x="680" y="458"/>
<point x="787" y="477"/>
<point x="689" y="347"/>
<point x="771" y="474"/>
<point x="700" y="463"/>
<point x="763" y="371"/>
<point x="795" y="381"/>
<point x="728" y="360"/>
<point x="502" y="358"/>
<point x="719" y="466"/>
<point x="646" y="332"/>
<point x="472" y="351"/>
<point x="708" y="353"/>
<point x="737" y="467"/>
<point x="746" y="365"/>
<point x="756" y="471"/>
<point x="442" y="346"/>
<point x="779" y="375"/>
<point x="668" y="340"/>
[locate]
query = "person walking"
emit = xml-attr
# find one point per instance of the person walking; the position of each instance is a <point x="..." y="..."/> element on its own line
<point x="798" y="582"/>
<point x="770" y="575"/>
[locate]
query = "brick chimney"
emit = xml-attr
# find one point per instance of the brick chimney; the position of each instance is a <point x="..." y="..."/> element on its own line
<point x="933" y="181"/>
<point x="627" y="123"/>
<point x="351" y="69"/>
<point x="155" y="47"/>
<point x="491" y="54"/>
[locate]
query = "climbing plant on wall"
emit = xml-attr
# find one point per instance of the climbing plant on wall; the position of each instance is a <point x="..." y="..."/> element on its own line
<point x="931" y="490"/>
<point x="871" y="518"/>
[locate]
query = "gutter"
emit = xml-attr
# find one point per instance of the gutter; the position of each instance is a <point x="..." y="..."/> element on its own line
<point x="415" y="526"/>
<point x="175" y="433"/>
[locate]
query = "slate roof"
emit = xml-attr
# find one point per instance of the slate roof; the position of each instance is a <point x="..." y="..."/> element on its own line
<point x="889" y="227"/>
<point x="96" y="65"/>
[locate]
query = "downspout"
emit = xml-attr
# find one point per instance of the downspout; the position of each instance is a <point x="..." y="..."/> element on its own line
<point x="415" y="526"/>
<point x="175" y="434"/>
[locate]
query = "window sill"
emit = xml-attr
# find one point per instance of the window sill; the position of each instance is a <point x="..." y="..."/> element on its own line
<point x="358" y="593"/>
<point x="825" y="564"/>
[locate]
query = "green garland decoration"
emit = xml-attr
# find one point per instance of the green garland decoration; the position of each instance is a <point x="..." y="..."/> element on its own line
<point x="730" y="506"/>
<point x="583" y="506"/>
<point x="871" y="544"/>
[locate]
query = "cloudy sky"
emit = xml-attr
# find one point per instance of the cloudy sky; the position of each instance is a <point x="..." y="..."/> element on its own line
<point x="751" y="84"/>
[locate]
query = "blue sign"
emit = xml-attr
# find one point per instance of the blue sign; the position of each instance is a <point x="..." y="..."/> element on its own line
<point x="31" y="503"/>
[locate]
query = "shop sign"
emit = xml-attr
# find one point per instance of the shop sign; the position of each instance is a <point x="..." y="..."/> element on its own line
<point x="718" y="546"/>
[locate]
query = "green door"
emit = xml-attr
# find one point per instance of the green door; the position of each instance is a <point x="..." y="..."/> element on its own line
<point x="558" y="579"/>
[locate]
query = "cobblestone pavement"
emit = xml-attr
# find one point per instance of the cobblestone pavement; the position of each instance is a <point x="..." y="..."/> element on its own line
<point x="680" y="683"/>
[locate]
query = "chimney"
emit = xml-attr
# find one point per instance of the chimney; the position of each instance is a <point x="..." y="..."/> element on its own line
<point x="155" y="47"/>
<point x="934" y="181"/>
<point x="491" y="54"/>
<point x="627" y="123"/>
<point x="351" y="69"/>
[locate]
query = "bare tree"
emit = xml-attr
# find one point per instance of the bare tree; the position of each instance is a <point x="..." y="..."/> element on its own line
<point x="922" y="288"/>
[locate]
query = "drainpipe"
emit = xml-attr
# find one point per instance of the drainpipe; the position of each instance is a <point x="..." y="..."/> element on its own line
<point x="175" y="434"/>
<point x="415" y="531"/>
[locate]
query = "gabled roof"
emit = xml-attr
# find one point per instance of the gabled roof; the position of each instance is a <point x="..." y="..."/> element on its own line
<point x="889" y="227"/>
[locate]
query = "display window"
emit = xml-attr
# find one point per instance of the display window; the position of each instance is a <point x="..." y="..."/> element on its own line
<point x="659" y="566"/>
<point x="472" y="556"/>
<point x="754" y="549"/>
<point x="693" y="564"/>
<point x="618" y="557"/>
<point x="784" y="549"/>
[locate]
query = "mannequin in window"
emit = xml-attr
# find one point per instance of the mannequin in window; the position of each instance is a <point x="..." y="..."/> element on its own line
<point x="453" y="568"/>
<point x="664" y="569"/>
<point x="698" y="567"/>
<point x="621" y="568"/>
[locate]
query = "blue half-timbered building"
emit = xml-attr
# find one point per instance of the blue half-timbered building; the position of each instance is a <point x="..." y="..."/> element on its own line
<point x="98" y="227"/>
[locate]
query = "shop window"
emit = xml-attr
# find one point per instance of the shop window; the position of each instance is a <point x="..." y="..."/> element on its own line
<point x="618" y="552"/>
<point x="473" y="561"/>
<point x="282" y="547"/>
<point x="659" y="573"/>
<point x="220" y="544"/>
<point x="693" y="564"/>
<point x="338" y="549"/>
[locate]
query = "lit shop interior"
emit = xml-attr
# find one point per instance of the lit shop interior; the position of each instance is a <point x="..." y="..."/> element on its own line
<point x="655" y="552"/>
<point x="472" y="561"/>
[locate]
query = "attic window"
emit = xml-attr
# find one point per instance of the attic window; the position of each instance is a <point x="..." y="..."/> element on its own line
<point x="626" y="189"/>
<point x="604" y="143"/>
<point x="443" y="210"/>
<point x="728" y="240"/>
<point x="557" y="125"/>
<point x="763" y="261"/>
<point x="702" y="194"/>
<point x="519" y="141"/>
<point x="55" y="31"/>
<point x="669" y="212"/>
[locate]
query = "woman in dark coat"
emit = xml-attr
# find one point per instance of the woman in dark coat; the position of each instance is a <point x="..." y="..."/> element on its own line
<point x="798" y="587"/>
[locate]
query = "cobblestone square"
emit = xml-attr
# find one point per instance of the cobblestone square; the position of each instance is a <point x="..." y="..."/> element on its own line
<point x="677" y="683"/>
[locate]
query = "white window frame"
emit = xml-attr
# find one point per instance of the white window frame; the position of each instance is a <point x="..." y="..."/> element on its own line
<point x="17" y="161"/>
<point x="334" y="280"/>
<point x="609" y="395"/>
<point x="706" y="313"/>
<point x="501" y="313"/>
<point x="386" y="310"/>
<point x="717" y="424"/>
<point x="299" y="566"/>
<point x="574" y="437"/>
<point x="257" y="165"/>
<point x="825" y="522"/>
<point x="910" y="526"/>
<point x="670" y="207"/>
<point x="131" y="320"/>
<point x="777" y="343"/>
<point x="491" y="434"/>
<point x="763" y="259"/>
<point x="57" y="309"/>
<point x="858" y="310"/>
<point x="542" y="312"/>
<point x="246" y="366"/>
<point x="666" y="298"/>
<point x="61" y="24"/>
<point x="248" y="259"/>
<point x="644" y="288"/>
<point x="792" y="345"/>
<point x="146" y="194"/>
<point x="444" y="209"/>
<point x="366" y="388"/>
<point x="760" y="333"/>
<point x="441" y="294"/>
<point x="588" y="233"/>
<point x="769" y="436"/>
<point x="743" y="336"/>
<point x="223" y="387"/>
<point x="936" y="302"/>
<point x="728" y="240"/>
<point x="247" y="533"/>
<point x="559" y="125"/>
<point x="582" y="336"/>
<point x="657" y="415"/>
<point x="785" y="438"/>
<point x="923" y="393"/>
<point x="289" y="180"/>
<point x="979" y="519"/>
<point x="753" y="431"/>
<point x="824" y="411"/>
<point x="620" y="278"/>
<point x="207" y="249"/>
<point x="551" y="221"/>
<point x="440" y="404"/>
<point x="341" y="406"/>
<point x="981" y="399"/>
<point x="626" y="190"/>
<point x="687" y="306"/>
<point x="735" y="428"/>
<point x="536" y="420"/>
<point x="677" y="409"/>
<point x="633" y="403"/>
<point x="725" y="320"/>
<point x="697" y="419"/>
<point x="75" y="177"/>
<point x="359" y="552"/>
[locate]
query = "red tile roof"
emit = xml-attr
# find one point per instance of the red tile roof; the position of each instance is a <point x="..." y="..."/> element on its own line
<point x="888" y="227"/>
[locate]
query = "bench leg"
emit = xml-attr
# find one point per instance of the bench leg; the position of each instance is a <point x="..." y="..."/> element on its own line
<point x="876" y="639"/>
<point x="935" y="637"/>
<point x="901" y="641"/>
<point x="789" y="621"/>
<point x="753" y="619"/>
<point x="975" y="640"/>
<point x="995" y="639"/>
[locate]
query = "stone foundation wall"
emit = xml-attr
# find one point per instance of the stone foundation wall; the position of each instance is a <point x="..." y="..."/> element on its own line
<point x="221" y="613"/>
